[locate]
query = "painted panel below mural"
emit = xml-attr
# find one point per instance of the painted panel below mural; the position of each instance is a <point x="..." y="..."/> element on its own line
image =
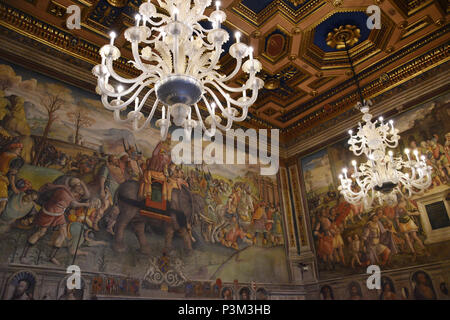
<point x="347" y="238"/>
<point x="73" y="181"/>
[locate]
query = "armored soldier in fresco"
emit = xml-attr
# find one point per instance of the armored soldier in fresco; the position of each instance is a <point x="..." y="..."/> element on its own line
<point x="111" y="176"/>
<point x="52" y="215"/>
<point x="10" y="164"/>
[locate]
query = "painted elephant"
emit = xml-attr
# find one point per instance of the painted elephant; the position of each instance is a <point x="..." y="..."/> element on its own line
<point x="180" y="209"/>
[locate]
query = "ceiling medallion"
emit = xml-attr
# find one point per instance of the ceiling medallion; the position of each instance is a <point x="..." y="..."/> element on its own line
<point x="256" y="34"/>
<point x="179" y="68"/>
<point x="336" y="3"/>
<point x="272" y="84"/>
<point x="344" y="34"/>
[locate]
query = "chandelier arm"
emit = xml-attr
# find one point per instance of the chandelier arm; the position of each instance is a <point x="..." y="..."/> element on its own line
<point x="109" y="66"/>
<point x="391" y="143"/>
<point x="101" y="83"/>
<point x="235" y="71"/>
<point x="358" y="149"/>
<point x="213" y="128"/>
<point x="114" y="94"/>
<point x="157" y="15"/>
<point x="198" y="26"/>
<point x="149" y="118"/>
<point x="205" y="44"/>
<point x="350" y="192"/>
<point x="235" y="89"/>
<point x="218" y="103"/>
<point x="144" y="99"/>
<point x="155" y="39"/>
<point x="137" y="57"/>
<point x="237" y="119"/>
<point x="118" y="119"/>
<point x="234" y="102"/>
<point x="351" y="198"/>
<point x="108" y="106"/>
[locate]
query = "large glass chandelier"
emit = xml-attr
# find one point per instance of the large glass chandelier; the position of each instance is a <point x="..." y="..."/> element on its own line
<point x="179" y="69"/>
<point x="382" y="176"/>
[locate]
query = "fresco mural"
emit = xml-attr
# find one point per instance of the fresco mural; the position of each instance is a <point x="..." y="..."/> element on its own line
<point x="344" y="234"/>
<point x="75" y="182"/>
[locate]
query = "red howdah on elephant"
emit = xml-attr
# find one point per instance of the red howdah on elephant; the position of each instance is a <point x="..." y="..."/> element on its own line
<point x="134" y="198"/>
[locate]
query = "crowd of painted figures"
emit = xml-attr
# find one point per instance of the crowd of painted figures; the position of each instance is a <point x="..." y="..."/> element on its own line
<point x="84" y="196"/>
<point x="347" y="235"/>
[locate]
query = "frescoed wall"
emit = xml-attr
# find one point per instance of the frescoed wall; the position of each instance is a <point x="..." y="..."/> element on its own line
<point x="347" y="239"/>
<point x="61" y="151"/>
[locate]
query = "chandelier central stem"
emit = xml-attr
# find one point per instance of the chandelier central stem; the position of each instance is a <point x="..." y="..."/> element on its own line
<point x="355" y="77"/>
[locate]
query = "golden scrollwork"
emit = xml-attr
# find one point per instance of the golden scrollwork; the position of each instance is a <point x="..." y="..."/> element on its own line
<point x="117" y="3"/>
<point x="347" y="34"/>
<point x="272" y="84"/>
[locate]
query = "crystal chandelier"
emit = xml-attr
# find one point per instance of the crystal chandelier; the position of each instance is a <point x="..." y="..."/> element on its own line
<point x="179" y="68"/>
<point x="383" y="175"/>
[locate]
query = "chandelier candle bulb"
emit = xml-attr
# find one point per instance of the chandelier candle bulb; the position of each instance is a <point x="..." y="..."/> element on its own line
<point x="407" y="154"/>
<point x="237" y="35"/>
<point x="119" y="90"/>
<point x="391" y="122"/>
<point x="391" y="156"/>
<point x="137" y="18"/>
<point x="416" y="153"/>
<point x="345" y="172"/>
<point x="112" y="35"/>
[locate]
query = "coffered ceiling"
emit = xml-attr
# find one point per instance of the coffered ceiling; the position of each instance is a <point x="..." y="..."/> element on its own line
<point x="307" y="79"/>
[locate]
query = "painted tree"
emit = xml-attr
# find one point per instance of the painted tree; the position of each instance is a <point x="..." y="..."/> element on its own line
<point x="52" y="97"/>
<point x="8" y="77"/>
<point x="80" y="119"/>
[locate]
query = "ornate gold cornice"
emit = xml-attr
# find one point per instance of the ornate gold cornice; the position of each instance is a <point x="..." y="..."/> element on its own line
<point x="276" y="6"/>
<point x="118" y="3"/>
<point x="56" y="38"/>
<point x="411" y="69"/>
